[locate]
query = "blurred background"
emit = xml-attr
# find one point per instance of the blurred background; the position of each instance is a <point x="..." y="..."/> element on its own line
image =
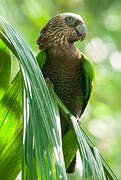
<point x="102" y="118"/>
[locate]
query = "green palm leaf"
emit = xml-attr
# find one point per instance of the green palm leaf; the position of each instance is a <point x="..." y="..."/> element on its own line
<point x="5" y="68"/>
<point x="11" y="130"/>
<point x="94" y="166"/>
<point x="40" y="110"/>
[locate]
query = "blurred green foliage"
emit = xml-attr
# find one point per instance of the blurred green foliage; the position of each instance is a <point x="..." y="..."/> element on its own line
<point x="102" y="118"/>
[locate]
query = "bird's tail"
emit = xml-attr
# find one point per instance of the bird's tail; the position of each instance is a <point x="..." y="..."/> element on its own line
<point x="65" y="126"/>
<point x="71" y="168"/>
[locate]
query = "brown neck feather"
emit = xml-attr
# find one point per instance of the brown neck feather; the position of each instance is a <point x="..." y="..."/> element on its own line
<point x="61" y="54"/>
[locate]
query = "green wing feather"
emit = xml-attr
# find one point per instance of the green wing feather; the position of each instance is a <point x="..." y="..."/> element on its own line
<point x="87" y="80"/>
<point x="41" y="58"/>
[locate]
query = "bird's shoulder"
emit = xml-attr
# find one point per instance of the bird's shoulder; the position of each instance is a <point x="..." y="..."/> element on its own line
<point x="87" y="80"/>
<point x="87" y="66"/>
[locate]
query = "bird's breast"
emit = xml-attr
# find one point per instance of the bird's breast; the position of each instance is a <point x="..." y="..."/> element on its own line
<point x="65" y="74"/>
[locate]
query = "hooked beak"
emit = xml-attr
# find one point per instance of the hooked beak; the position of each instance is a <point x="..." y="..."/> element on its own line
<point x="81" y="29"/>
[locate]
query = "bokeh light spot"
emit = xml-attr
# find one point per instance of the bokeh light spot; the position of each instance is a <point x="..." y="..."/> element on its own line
<point x="96" y="50"/>
<point x="112" y="22"/>
<point x="115" y="60"/>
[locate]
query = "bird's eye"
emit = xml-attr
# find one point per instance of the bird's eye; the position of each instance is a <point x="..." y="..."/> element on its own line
<point x="70" y="21"/>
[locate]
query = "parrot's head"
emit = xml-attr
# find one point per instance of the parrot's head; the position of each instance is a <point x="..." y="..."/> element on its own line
<point x="61" y="30"/>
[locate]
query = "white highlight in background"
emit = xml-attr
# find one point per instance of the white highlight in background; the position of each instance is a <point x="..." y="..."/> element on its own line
<point x="112" y="22"/>
<point x="115" y="60"/>
<point x="96" y="50"/>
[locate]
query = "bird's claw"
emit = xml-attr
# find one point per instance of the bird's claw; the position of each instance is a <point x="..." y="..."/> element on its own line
<point x="48" y="81"/>
<point x="79" y="121"/>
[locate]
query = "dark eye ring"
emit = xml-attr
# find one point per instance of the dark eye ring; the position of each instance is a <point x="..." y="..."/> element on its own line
<point x="70" y="21"/>
<point x="70" y="18"/>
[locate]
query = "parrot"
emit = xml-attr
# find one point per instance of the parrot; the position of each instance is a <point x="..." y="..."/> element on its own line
<point x="68" y="69"/>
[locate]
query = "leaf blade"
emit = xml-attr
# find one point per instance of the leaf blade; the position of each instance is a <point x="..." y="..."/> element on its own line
<point x="5" y="68"/>
<point x="36" y="88"/>
<point x="11" y="130"/>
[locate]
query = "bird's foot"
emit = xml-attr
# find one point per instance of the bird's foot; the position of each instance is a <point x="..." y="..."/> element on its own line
<point x="48" y="81"/>
<point x="79" y="121"/>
